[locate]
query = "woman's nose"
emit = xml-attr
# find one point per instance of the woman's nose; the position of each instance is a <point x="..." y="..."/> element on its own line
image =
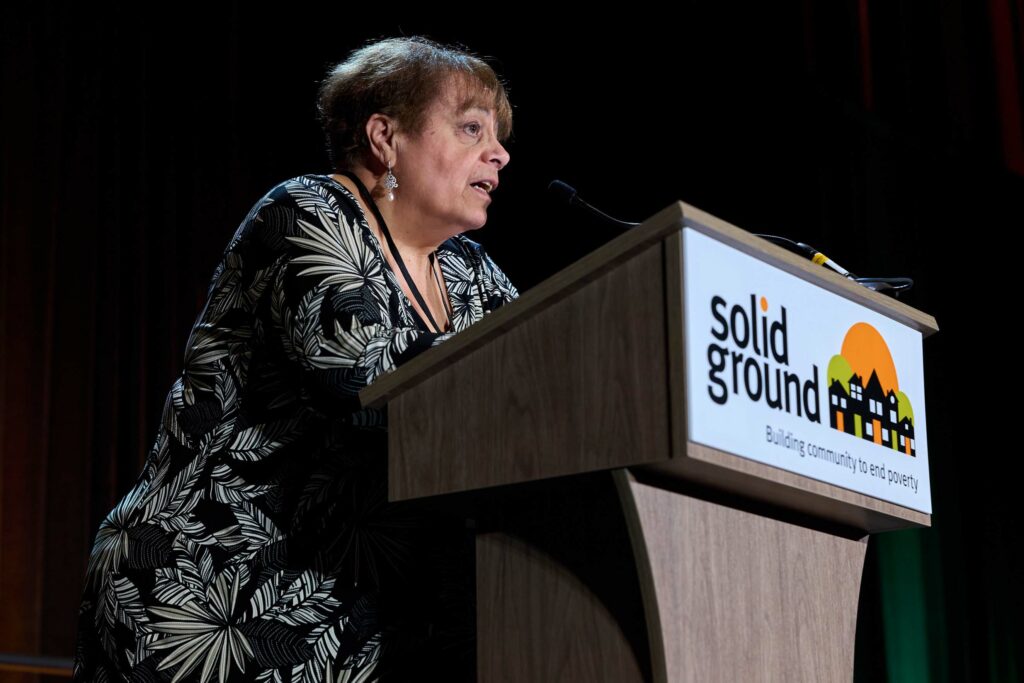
<point x="500" y="155"/>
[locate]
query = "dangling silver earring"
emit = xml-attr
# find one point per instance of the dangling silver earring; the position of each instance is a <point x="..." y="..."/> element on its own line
<point x="390" y="183"/>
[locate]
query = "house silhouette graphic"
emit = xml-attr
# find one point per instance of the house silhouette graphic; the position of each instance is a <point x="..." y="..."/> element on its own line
<point x="871" y="413"/>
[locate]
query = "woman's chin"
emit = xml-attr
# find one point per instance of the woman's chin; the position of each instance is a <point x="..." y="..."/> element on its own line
<point x="477" y="225"/>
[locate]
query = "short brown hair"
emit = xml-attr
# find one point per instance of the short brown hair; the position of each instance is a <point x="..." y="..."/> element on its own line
<point x="401" y="77"/>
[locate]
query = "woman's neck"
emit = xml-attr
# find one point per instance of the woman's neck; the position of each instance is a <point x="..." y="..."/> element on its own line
<point x="414" y="250"/>
<point x="415" y="244"/>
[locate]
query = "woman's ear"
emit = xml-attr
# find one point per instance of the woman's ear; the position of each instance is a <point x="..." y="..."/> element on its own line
<point x="381" y="131"/>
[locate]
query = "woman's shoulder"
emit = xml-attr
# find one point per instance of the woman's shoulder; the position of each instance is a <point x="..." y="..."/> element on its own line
<point x="311" y="201"/>
<point x="310" y="198"/>
<point x="313" y="190"/>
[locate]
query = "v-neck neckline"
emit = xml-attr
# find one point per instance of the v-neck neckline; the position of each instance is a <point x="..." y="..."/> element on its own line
<point x="365" y="225"/>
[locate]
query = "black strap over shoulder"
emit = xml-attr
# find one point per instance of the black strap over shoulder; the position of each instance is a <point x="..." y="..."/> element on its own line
<point x="398" y="257"/>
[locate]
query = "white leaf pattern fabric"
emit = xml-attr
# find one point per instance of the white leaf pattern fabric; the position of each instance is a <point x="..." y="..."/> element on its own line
<point x="257" y="544"/>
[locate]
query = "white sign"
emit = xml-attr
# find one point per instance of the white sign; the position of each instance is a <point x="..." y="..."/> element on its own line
<point x="789" y="374"/>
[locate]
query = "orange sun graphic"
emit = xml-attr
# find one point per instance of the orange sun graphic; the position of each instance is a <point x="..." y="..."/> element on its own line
<point x="865" y="350"/>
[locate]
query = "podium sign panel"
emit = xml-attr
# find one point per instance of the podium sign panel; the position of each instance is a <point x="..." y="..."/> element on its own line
<point x="787" y="373"/>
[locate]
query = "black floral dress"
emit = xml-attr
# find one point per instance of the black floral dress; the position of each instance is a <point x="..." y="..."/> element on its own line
<point x="257" y="544"/>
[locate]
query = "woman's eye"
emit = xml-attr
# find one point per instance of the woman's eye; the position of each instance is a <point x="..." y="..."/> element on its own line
<point x="473" y="128"/>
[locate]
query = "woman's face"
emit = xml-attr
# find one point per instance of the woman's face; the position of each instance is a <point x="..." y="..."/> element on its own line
<point x="440" y="170"/>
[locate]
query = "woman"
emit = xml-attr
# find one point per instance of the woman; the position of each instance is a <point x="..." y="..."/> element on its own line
<point x="257" y="543"/>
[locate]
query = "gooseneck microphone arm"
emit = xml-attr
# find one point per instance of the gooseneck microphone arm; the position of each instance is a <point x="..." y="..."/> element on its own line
<point x="567" y="193"/>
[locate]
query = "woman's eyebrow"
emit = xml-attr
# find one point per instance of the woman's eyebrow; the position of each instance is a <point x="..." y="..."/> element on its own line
<point x="470" y="106"/>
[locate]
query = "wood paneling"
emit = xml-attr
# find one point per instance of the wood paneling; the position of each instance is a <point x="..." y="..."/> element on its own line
<point x="558" y="597"/>
<point x="732" y="596"/>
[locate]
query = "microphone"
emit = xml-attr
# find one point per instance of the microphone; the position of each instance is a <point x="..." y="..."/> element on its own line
<point x="567" y="193"/>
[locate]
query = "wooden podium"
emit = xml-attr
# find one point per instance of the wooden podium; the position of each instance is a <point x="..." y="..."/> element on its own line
<point x="609" y="546"/>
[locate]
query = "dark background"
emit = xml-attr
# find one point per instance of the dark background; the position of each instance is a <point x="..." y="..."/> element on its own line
<point x="887" y="134"/>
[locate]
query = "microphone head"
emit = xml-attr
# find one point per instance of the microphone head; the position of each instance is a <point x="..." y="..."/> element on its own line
<point x="563" y="191"/>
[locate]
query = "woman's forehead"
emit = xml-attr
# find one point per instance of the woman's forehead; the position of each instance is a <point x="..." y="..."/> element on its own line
<point x="462" y="95"/>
